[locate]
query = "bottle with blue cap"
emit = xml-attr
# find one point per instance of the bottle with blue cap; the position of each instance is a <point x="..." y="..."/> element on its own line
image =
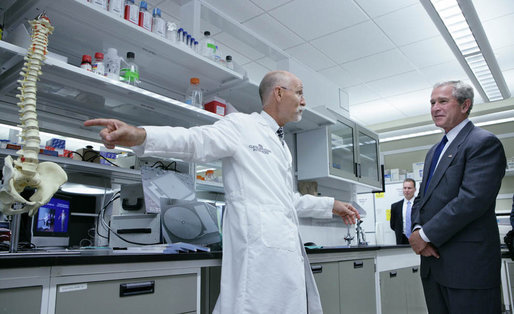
<point x="145" y="18"/>
<point x="158" y="24"/>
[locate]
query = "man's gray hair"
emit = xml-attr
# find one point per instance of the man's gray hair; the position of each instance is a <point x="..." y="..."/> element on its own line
<point x="269" y="81"/>
<point x="461" y="91"/>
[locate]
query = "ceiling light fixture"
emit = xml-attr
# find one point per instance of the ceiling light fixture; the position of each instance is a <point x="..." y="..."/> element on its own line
<point x="460" y="26"/>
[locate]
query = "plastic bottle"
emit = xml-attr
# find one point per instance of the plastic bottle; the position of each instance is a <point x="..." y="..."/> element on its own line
<point x="158" y="24"/>
<point x="112" y="63"/>
<point x="194" y="93"/>
<point x="228" y="62"/>
<point x="171" y="31"/>
<point x="131" y="12"/>
<point x="207" y="46"/>
<point x="116" y="7"/>
<point x="179" y="34"/>
<point x="98" y="64"/>
<point x="145" y="18"/>
<point x="86" y="63"/>
<point x="130" y="73"/>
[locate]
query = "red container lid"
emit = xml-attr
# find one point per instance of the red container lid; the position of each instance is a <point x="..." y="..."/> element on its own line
<point x="86" y="58"/>
<point x="99" y="56"/>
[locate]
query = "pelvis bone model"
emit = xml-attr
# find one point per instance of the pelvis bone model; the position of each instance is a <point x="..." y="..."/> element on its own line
<point x="45" y="177"/>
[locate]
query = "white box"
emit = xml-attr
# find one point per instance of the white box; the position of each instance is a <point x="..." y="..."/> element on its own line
<point x="395" y="175"/>
<point x="417" y="169"/>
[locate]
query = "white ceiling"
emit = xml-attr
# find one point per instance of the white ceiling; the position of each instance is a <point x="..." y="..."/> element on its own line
<point x="385" y="54"/>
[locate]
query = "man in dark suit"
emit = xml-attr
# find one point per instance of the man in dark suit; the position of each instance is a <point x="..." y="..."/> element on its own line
<point x="401" y="213"/>
<point x="455" y="228"/>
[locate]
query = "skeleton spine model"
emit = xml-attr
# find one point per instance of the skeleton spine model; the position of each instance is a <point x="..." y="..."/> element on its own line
<point x="26" y="171"/>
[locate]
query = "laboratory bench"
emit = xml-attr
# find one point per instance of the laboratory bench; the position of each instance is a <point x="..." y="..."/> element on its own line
<point x="350" y="280"/>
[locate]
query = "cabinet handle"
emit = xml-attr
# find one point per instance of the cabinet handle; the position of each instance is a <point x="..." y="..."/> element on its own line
<point x="359" y="170"/>
<point x="392" y="274"/>
<point x="414" y="269"/>
<point x="130" y="289"/>
<point x="358" y="264"/>
<point x="316" y="269"/>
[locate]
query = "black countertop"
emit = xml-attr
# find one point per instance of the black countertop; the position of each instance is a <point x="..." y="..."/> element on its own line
<point x="107" y="256"/>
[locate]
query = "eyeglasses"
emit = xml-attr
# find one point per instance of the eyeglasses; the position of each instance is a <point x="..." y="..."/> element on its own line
<point x="299" y="93"/>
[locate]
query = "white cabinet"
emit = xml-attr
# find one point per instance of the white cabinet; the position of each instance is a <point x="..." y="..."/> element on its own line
<point x="340" y="153"/>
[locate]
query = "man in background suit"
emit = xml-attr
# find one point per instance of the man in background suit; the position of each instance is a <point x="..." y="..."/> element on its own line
<point x="401" y="213"/>
<point x="455" y="228"/>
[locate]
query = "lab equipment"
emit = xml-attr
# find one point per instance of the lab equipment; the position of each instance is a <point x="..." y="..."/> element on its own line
<point x="98" y="64"/>
<point x="348" y="238"/>
<point x="50" y="225"/>
<point x="131" y="12"/>
<point x="208" y="46"/>
<point x="116" y="7"/>
<point x="158" y="24"/>
<point x="194" y="93"/>
<point x="112" y="63"/>
<point x="145" y="18"/>
<point x="130" y="73"/>
<point x="86" y="63"/>
<point x="361" y="236"/>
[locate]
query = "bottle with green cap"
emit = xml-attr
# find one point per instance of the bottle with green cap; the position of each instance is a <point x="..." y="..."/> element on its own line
<point x="130" y="73"/>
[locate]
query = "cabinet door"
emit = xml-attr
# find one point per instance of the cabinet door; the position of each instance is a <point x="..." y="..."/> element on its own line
<point x="342" y="149"/>
<point x="357" y="286"/>
<point x="167" y="294"/>
<point x="392" y="292"/>
<point x="26" y="300"/>
<point x="326" y="276"/>
<point x="368" y="169"/>
<point x="415" y="296"/>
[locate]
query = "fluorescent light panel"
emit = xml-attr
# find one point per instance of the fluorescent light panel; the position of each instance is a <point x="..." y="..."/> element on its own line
<point x="466" y="43"/>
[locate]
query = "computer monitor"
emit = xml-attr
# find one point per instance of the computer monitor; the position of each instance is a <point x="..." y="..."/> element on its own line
<point x="50" y="224"/>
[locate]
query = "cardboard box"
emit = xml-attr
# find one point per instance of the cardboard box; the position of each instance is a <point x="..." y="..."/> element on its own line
<point x="216" y="105"/>
<point x="417" y="170"/>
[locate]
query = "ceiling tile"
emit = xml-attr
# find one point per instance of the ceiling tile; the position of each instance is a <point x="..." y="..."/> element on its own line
<point x="407" y="25"/>
<point x="490" y="9"/>
<point x="399" y="84"/>
<point x="374" y="112"/>
<point x="328" y="16"/>
<point x="447" y="71"/>
<point x="499" y="31"/>
<point x="376" y="8"/>
<point x="237" y="45"/>
<point x="412" y="104"/>
<point x="273" y="31"/>
<point x="240" y="10"/>
<point x="310" y="56"/>
<point x="341" y="77"/>
<point x="428" y="52"/>
<point x="379" y="66"/>
<point x="360" y="94"/>
<point x="354" y="42"/>
<point x="269" y="4"/>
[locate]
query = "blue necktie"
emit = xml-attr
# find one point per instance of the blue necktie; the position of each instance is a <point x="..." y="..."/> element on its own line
<point x="280" y="133"/>
<point x="408" y="223"/>
<point x="435" y="158"/>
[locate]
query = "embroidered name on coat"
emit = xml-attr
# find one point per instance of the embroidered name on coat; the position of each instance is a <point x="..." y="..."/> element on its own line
<point x="259" y="148"/>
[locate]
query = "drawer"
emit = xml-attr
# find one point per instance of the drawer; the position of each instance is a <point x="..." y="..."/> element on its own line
<point x="164" y="294"/>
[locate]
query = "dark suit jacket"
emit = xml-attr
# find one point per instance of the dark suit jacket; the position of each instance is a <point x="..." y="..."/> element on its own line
<point x="457" y="211"/>
<point x="397" y="222"/>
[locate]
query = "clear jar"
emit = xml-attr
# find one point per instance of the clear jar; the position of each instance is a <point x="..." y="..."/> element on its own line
<point x="194" y="96"/>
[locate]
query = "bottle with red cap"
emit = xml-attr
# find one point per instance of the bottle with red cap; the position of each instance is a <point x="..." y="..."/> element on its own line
<point x="98" y="64"/>
<point x="86" y="63"/>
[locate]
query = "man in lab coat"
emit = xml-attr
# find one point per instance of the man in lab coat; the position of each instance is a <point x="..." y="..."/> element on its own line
<point x="455" y="227"/>
<point x="264" y="266"/>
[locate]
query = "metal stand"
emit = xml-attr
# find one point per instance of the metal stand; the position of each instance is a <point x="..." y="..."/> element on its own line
<point x="15" y="233"/>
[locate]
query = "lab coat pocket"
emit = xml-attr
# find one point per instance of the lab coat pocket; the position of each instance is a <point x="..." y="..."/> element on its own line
<point x="277" y="229"/>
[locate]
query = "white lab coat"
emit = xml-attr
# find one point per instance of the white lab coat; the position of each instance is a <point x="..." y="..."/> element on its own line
<point x="264" y="265"/>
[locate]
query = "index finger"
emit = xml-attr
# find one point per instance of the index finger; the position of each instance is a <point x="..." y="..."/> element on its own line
<point x="96" y="122"/>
